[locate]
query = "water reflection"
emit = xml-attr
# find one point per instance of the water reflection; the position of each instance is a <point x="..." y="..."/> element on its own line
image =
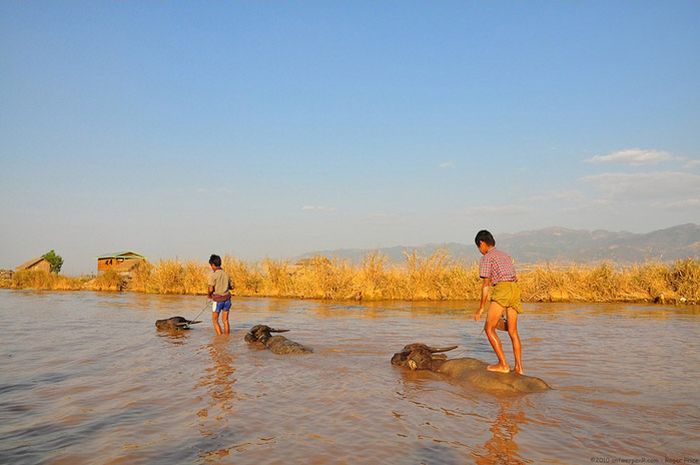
<point x="175" y="337"/>
<point x="437" y="453"/>
<point x="218" y="379"/>
<point x="501" y="447"/>
<point x="504" y="416"/>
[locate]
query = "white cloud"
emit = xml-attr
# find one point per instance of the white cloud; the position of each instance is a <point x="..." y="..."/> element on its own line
<point x="666" y="185"/>
<point x="220" y="190"/>
<point x="633" y="157"/>
<point x="679" y="204"/>
<point x="384" y="218"/>
<point x="560" y="196"/>
<point x="318" y="208"/>
<point x="497" y="210"/>
<point x="446" y="164"/>
<point x="381" y="215"/>
<point x="690" y="163"/>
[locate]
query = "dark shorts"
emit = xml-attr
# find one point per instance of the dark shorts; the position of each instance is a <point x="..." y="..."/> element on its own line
<point x="224" y="306"/>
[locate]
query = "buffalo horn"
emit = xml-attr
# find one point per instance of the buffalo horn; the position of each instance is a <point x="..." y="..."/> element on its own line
<point x="442" y="349"/>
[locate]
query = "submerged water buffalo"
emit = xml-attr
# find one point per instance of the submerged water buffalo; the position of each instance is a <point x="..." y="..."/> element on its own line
<point x="261" y="334"/>
<point x="465" y="370"/>
<point x="175" y="323"/>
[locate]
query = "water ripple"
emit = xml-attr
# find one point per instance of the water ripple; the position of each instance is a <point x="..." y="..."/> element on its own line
<point x="103" y="386"/>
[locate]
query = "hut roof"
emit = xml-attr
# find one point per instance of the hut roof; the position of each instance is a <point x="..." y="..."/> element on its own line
<point x="125" y="254"/>
<point x="30" y="263"/>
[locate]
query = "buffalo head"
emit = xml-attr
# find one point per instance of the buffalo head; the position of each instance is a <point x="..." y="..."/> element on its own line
<point x="419" y="356"/>
<point x="261" y="333"/>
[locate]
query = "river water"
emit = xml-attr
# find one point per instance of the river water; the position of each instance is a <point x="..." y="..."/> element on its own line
<point x="86" y="379"/>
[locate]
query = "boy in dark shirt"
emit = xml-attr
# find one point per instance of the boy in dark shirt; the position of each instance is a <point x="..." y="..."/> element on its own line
<point x="220" y="292"/>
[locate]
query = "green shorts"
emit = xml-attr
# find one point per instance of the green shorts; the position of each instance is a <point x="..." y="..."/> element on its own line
<point x="507" y="295"/>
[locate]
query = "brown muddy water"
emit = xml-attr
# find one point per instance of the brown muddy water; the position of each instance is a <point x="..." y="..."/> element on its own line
<point x="86" y="379"/>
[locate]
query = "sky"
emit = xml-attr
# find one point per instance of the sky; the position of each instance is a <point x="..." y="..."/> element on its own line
<point x="270" y="129"/>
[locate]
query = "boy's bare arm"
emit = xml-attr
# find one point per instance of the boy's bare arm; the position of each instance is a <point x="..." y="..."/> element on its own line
<point x="485" y="288"/>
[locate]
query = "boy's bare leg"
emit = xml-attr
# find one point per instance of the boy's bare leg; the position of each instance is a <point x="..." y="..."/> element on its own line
<point x="215" y="321"/>
<point x="494" y="314"/>
<point x="515" y="339"/>
<point x="224" y="318"/>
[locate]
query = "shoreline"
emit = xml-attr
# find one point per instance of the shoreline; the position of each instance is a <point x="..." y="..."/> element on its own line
<point x="435" y="278"/>
<point x="666" y="302"/>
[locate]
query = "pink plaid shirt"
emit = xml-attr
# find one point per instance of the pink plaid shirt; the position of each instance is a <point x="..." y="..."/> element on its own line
<point x="498" y="266"/>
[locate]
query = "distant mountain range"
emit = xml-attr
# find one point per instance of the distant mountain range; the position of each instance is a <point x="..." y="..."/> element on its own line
<point x="559" y="245"/>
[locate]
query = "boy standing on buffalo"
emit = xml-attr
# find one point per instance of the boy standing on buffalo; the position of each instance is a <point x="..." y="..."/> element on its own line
<point x="220" y="293"/>
<point x="498" y="274"/>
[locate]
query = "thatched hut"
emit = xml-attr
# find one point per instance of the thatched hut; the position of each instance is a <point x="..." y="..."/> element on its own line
<point x="121" y="262"/>
<point x="37" y="264"/>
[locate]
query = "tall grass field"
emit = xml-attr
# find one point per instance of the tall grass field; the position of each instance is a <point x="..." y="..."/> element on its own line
<point x="437" y="277"/>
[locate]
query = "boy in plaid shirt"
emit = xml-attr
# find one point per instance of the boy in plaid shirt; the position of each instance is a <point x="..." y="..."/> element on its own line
<point x="499" y="279"/>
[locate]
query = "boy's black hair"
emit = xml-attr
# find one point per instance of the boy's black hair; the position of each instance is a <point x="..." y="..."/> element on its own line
<point x="484" y="236"/>
<point x="215" y="260"/>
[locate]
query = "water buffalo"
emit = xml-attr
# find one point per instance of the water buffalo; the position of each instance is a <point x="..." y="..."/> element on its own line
<point x="261" y="334"/>
<point x="175" y="323"/>
<point x="465" y="370"/>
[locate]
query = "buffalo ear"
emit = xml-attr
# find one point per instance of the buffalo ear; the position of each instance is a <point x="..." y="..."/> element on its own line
<point x="279" y="330"/>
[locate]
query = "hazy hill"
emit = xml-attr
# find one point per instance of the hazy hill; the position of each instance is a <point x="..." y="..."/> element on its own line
<point x="561" y="245"/>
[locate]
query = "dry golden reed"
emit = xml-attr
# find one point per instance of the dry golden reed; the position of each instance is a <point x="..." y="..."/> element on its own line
<point x="437" y="277"/>
<point x="110" y="280"/>
<point x="44" y="280"/>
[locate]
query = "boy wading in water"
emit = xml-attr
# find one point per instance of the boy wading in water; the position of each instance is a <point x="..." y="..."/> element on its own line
<point x="219" y="292"/>
<point x="498" y="274"/>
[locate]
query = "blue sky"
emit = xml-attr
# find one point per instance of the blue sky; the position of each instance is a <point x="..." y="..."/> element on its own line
<point x="271" y="129"/>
